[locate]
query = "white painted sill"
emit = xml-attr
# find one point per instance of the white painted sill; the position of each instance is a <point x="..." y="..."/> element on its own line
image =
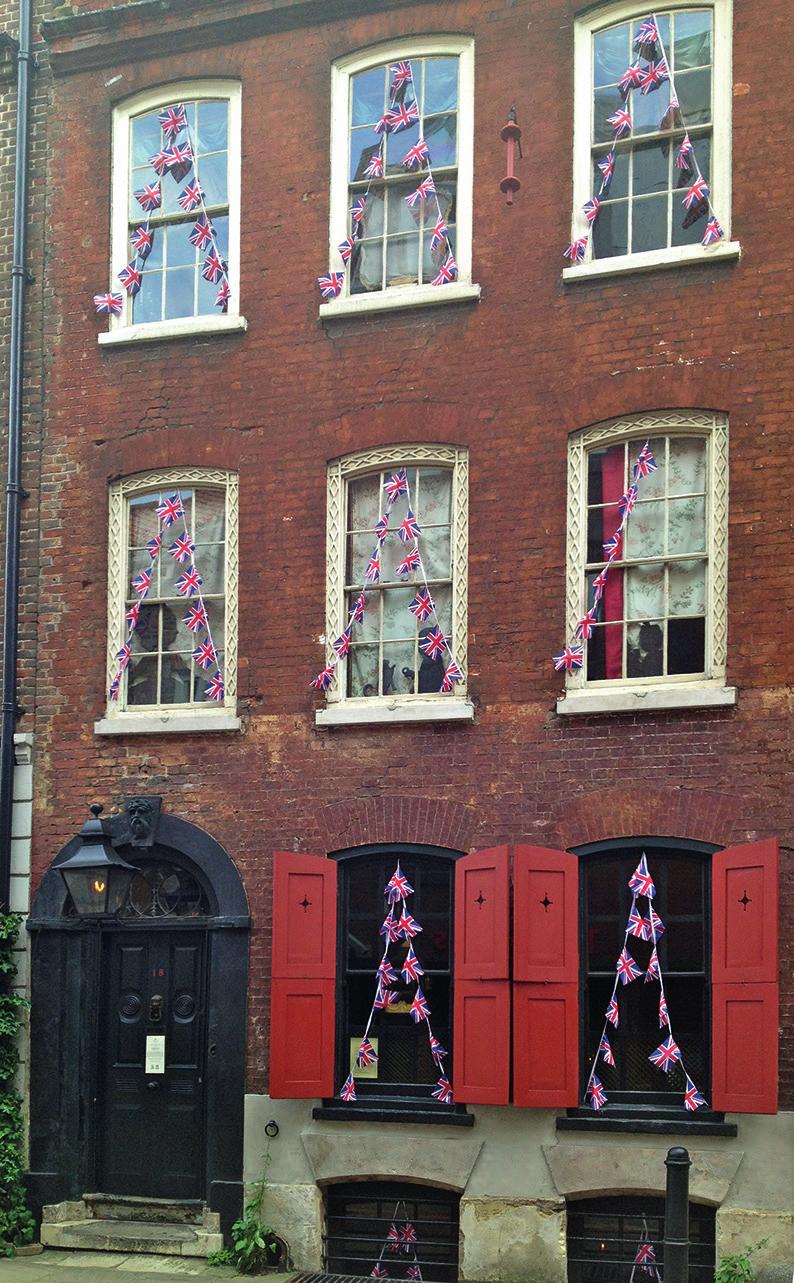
<point x="157" y="723"/>
<point x="185" y="328"/>
<point x="646" y="699"/>
<point x="380" y="712"/>
<point x="395" y="300"/>
<point x="680" y="256"/>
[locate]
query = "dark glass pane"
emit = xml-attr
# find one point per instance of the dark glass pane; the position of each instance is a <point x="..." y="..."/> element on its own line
<point x="368" y="96"/>
<point x="649" y="224"/>
<point x="686" y="645"/>
<point x="441" y="138"/>
<point x="602" y="882"/>
<point x="692" y="40"/>
<point x="175" y="679"/>
<point x="649" y="110"/>
<point x="619" y="186"/>
<point x="441" y="86"/>
<point x="604" y="653"/>
<point x="650" y="170"/>
<point x="142" y="680"/>
<point x="364" y="144"/>
<point x="367" y="271"/>
<point x="683" y="946"/>
<point x="398" y="145"/>
<point x="610" y="233"/>
<point x="683" y="891"/>
<point x="645" y="649"/>
<point x="362" y="671"/>
<point x="694" y="96"/>
<point x="605" y="104"/>
<point x="611" y="54"/>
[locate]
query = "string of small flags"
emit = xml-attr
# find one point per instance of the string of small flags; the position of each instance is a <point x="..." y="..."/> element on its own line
<point x="177" y="159"/>
<point x="188" y="585"/>
<point x="399" y="925"/>
<point x="645" y="1258"/>
<point x="434" y="644"/>
<point x="648" y="928"/>
<point x="572" y="657"/>
<point x="400" y="115"/>
<point x="400" y="1240"/>
<point x="697" y="199"/>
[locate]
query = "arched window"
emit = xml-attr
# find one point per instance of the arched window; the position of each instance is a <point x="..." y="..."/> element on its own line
<point x="604" y="1235"/>
<point x="360" y="1215"/>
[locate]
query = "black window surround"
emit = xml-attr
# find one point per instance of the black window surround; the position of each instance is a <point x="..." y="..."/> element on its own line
<point x="603" y="1235"/>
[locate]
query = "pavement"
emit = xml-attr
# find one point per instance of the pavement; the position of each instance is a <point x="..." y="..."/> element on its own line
<point x="58" y="1266"/>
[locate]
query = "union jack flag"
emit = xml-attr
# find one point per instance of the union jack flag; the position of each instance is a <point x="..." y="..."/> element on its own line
<point x="646" y="464"/>
<point x="402" y="117"/>
<point x="569" y="659"/>
<point x="223" y="295"/>
<point x="191" y="196"/>
<point x="595" y="1090"/>
<point x="599" y="583"/>
<point x="411" y="562"/>
<point x="576" y="250"/>
<point x="109" y="304"/>
<point x="657" y="926"/>
<point x="384" y="997"/>
<point x="631" y="79"/>
<point x="442" y="1093"/>
<point x="434" y="643"/>
<point x="647" y="34"/>
<point x="627" y="501"/>
<point x="416" y="154"/>
<point x="330" y="286"/>
<point x="358" y="209"/>
<point x="195" y="619"/>
<point x="419" y="1007"/>
<point x="664" y="1018"/>
<point x="149" y="197"/>
<point x="142" y="582"/>
<point x="584" y="626"/>
<point x="132" y="615"/>
<point x="375" y="167"/>
<point x="627" y="968"/>
<point x="422" y="605"/>
<point x="436" y="1050"/>
<point x="215" y="688"/>
<point x="407" y="926"/>
<point x="346" y="249"/>
<point x="683" y="155"/>
<point x="182" y="549"/>
<point x="414" y="1272"/>
<point x="425" y="189"/>
<point x="408" y="528"/>
<point x="653" y="972"/>
<point x="214" y="267"/>
<point x="341" y="644"/>
<point x="178" y="158"/>
<point x="160" y="161"/>
<point x="189" y="583"/>
<point x="141" y="240"/>
<point x="357" y="609"/>
<point x="692" y="1097"/>
<point x="367" y="1054"/>
<point x="612" y="547"/>
<point x="666" y="1054"/>
<point x="130" y="278"/>
<point x="169" y="509"/>
<point x="172" y="120"/>
<point x="712" y="233"/>
<point x="452" y="674"/>
<point x="697" y="193"/>
<point x="203" y="232"/>
<point x="348" y="1092"/>
<point x="379" y="1271"/>
<point x="401" y="74"/>
<point x="390" y="928"/>
<point x="393" y="1238"/>
<point x="386" y="972"/>
<point x="204" y="655"/>
<point x="641" y="881"/>
<point x="620" y="122"/>
<point x="398" y="886"/>
<point x="607" y="167"/>
<point x="396" y="485"/>
<point x="447" y="272"/>
<point x="591" y="208"/>
<point x="382" y="528"/>
<point x="323" y="680"/>
<point x="407" y="1236"/>
<point x="654" y="75"/>
<point x="439" y="234"/>
<point x="638" y="926"/>
<point x="123" y="656"/>
<point x="372" y="572"/>
<point x="645" y="1254"/>
<point x="606" y="1051"/>
<point x="412" y="968"/>
<point x="383" y="126"/>
<point x="113" y="690"/>
<point x="672" y="117"/>
<point x="612" y="1013"/>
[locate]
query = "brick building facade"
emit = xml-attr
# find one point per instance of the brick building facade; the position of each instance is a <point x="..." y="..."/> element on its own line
<point x="512" y="369"/>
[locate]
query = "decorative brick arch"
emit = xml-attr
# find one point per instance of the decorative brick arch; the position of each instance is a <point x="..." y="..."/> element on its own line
<point x="639" y="811"/>
<point x="427" y="820"/>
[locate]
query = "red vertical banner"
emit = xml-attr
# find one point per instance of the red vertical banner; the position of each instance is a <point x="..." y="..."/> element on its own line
<point x="481" y="1051"/>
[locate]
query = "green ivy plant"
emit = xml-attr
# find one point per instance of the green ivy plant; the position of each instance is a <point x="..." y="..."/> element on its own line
<point x="737" y="1268"/>
<point x="255" y="1246"/>
<point x="16" y="1223"/>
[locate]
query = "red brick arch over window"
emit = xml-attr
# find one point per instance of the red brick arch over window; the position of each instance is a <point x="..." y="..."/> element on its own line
<point x="429" y="821"/>
<point x="637" y="811"/>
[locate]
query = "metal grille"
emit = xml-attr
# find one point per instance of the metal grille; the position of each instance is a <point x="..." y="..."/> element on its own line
<point x="358" y="1217"/>
<point x="603" y="1235"/>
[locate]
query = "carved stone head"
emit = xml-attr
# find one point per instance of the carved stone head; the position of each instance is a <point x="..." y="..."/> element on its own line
<point x="143" y="815"/>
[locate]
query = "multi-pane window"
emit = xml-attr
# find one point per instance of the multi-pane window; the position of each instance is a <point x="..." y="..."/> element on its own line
<point x="604" y="1234"/>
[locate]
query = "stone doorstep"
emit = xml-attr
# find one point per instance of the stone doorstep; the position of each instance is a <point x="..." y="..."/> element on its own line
<point x="128" y="1207"/>
<point x="157" y="1239"/>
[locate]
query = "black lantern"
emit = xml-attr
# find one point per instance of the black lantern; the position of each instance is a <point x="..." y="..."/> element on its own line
<point x="96" y="877"/>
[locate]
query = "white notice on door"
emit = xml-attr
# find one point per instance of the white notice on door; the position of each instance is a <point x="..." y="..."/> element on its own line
<point x="155" y="1054"/>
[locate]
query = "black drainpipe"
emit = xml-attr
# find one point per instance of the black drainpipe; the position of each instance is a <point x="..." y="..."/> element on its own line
<point x="14" y="492"/>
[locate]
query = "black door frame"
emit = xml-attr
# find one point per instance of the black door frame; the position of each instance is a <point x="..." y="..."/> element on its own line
<point x="66" y="956"/>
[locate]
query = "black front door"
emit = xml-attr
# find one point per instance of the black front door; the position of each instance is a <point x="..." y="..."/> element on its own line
<point x="150" y="1124"/>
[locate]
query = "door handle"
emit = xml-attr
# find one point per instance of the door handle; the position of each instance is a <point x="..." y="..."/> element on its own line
<point x="152" y="1086"/>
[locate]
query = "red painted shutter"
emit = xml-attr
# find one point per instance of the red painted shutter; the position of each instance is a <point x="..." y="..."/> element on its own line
<point x="304" y="976"/>
<point x="546" y="978"/>
<point x="744" y="978"/>
<point x="481" y="1055"/>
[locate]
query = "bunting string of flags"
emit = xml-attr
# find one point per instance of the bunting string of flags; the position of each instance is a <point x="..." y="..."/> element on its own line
<point x="399" y="925"/>
<point x="401" y="1240"/>
<point x="649" y="928"/>
<point x="169" y="511"/>
<point x="177" y="159"/>
<point x="646" y="78"/>
<point x="401" y="114"/>
<point x="571" y="657"/>
<point x="434" y="643"/>
<point x="645" y="1265"/>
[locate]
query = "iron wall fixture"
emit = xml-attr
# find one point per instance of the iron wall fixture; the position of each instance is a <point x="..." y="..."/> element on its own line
<point x="96" y="876"/>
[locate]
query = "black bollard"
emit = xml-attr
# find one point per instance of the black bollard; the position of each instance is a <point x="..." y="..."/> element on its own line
<point x="676" y="1216"/>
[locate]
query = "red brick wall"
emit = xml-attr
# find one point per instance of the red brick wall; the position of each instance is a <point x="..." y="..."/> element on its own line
<point x="510" y="378"/>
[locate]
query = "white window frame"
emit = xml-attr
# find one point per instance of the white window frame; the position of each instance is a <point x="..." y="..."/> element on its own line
<point x="118" y="719"/>
<point x="122" y="329"/>
<point x="341" y="709"/>
<point x="400" y="296"/>
<point x="636" y="694"/>
<point x="722" y="101"/>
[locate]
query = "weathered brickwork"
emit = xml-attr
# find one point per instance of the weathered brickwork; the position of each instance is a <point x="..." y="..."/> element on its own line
<point x="510" y="378"/>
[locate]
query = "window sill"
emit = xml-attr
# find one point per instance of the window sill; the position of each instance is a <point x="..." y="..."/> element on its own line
<point x="356" y="1114"/>
<point x="646" y="699"/>
<point x="159" y="723"/>
<point x="186" y="328"/>
<point x="647" y="1126"/>
<point x="680" y="256"/>
<point x="367" y="712"/>
<point x="397" y="299"/>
